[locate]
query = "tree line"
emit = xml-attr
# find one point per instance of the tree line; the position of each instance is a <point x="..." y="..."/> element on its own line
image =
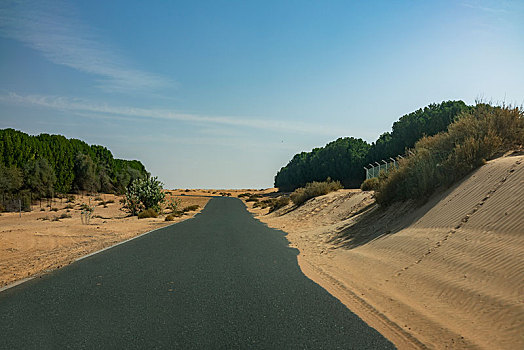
<point x="47" y="164"/>
<point x="343" y="160"/>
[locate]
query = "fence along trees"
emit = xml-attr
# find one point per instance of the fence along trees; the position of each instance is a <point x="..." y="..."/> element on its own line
<point x="345" y="158"/>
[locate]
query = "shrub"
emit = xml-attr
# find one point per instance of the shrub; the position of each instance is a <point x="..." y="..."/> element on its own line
<point x="174" y="204"/>
<point x="442" y="159"/>
<point x="191" y="208"/>
<point x="109" y="201"/>
<point x="87" y="208"/>
<point x="53" y="209"/>
<point x="369" y="184"/>
<point x="245" y="194"/>
<point x="277" y="203"/>
<point x="65" y="216"/>
<point x="144" y="194"/>
<point x="251" y="199"/>
<point x="148" y="213"/>
<point x="314" y="189"/>
<point x="262" y="204"/>
<point x="170" y="217"/>
<point x="69" y="206"/>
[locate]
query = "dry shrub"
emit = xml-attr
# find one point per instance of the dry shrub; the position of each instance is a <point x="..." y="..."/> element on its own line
<point x="272" y="203"/>
<point x="277" y="203"/>
<point x="442" y="159"/>
<point x="148" y="213"/>
<point x="369" y="184"/>
<point x="191" y="208"/>
<point x="314" y="189"/>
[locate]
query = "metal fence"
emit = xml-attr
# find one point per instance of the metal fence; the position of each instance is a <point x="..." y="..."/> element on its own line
<point x="373" y="170"/>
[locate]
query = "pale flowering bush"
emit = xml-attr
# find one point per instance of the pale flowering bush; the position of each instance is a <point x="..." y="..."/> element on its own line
<point x="144" y="194"/>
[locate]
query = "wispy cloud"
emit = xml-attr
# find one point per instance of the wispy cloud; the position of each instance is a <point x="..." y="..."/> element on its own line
<point x="52" y="29"/>
<point x="485" y="6"/>
<point x="81" y="106"/>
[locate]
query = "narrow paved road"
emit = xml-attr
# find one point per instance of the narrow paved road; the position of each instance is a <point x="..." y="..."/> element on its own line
<point x="219" y="281"/>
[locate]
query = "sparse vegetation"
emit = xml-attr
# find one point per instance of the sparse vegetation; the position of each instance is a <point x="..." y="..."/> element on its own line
<point x="173" y="204"/>
<point x="272" y="203"/>
<point x="191" y="208"/>
<point x="277" y="203"/>
<point x="314" y="189"/>
<point x="440" y="160"/>
<point x="148" y="213"/>
<point x="369" y="184"/>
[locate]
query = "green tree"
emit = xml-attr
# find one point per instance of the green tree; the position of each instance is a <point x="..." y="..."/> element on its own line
<point x="85" y="175"/>
<point x="39" y="177"/>
<point x="11" y="179"/>
<point x="341" y="160"/>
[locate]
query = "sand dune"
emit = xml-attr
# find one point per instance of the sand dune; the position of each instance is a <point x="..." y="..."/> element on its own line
<point x="448" y="274"/>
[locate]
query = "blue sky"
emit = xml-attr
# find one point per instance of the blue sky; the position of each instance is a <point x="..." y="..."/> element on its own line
<point x="221" y="94"/>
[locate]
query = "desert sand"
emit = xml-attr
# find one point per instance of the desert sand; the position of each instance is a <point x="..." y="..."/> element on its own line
<point x="33" y="243"/>
<point x="445" y="274"/>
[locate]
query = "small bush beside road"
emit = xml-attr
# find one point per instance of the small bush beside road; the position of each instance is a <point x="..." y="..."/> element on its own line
<point x="314" y="189"/>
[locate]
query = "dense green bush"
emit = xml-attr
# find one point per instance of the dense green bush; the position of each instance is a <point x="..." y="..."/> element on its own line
<point x="440" y="160"/>
<point x="314" y="189"/>
<point x="144" y="194"/>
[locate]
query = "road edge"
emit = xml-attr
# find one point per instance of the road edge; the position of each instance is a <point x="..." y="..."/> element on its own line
<point x="27" y="279"/>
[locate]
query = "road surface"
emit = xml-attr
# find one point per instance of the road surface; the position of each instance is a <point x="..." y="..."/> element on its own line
<point x="221" y="280"/>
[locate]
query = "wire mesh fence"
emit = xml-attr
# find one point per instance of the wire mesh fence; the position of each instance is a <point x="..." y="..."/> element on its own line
<point x="373" y="170"/>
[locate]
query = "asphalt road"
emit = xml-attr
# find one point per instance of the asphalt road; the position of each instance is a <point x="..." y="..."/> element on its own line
<point x="221" y="280"/>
